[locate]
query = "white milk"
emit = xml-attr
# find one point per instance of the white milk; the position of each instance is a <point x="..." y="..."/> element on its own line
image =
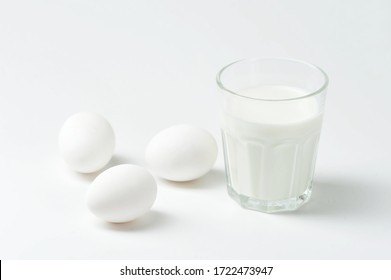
<point x="270" y="146"/>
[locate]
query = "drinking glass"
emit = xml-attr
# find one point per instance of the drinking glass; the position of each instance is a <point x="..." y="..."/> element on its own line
<point x="271" y="117"/>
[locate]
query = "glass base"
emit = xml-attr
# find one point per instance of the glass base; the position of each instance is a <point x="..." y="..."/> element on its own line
<point x="270" y="206"/>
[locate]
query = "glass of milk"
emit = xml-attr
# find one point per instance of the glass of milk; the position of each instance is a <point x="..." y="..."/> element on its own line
<point x="271" y="117"/>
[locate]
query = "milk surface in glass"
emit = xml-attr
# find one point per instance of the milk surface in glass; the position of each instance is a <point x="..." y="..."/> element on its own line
<point x="270" y="146"/>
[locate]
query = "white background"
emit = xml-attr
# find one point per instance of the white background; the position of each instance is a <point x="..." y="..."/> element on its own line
<point x="146" y="65"/>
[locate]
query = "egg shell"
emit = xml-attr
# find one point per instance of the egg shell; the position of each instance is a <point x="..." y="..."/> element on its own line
<point x="86" y="142"/>
<point x="181" y="153"/>
<point x="122" y="193"/>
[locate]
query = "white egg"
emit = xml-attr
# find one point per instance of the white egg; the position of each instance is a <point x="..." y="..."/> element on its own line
<point x="181" y="153"/>
<point x="86" y="142"/>
<point x="122" y="193"/>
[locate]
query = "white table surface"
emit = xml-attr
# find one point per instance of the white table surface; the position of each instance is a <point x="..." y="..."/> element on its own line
<point x="146" y="65"/>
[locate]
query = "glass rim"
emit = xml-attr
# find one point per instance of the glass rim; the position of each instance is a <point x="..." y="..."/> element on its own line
<point x="311" y="93"/>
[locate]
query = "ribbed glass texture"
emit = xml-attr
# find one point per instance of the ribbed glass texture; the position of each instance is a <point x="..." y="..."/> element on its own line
<point x="271" y="116"/>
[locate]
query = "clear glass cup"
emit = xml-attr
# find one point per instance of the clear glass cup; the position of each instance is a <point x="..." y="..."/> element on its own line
<point x="271" y="117"/>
